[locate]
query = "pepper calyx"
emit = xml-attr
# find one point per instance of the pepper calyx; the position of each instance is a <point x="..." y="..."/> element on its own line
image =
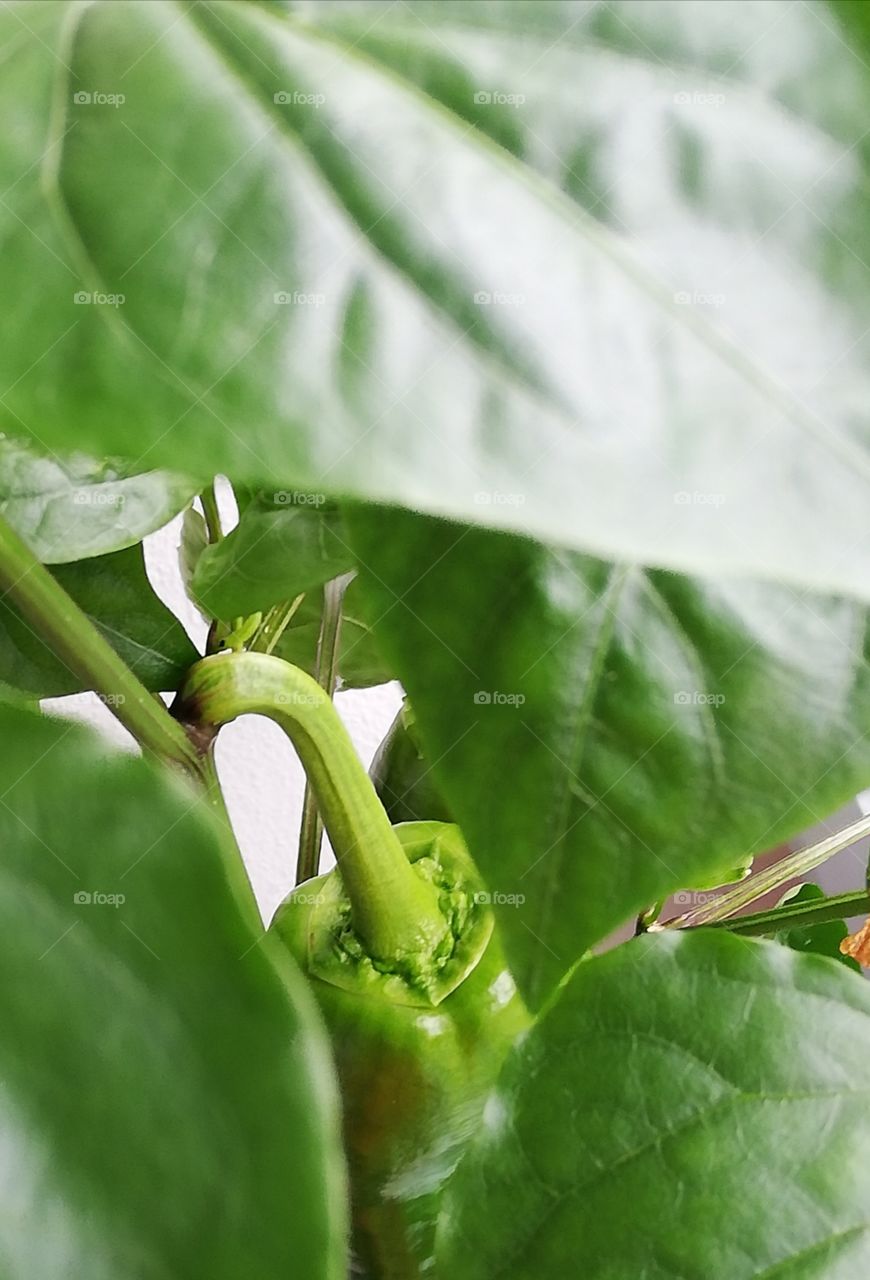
<point x="337" y="955"/>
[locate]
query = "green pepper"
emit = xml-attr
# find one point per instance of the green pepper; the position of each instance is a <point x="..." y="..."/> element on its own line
<point x="399" y="944"/>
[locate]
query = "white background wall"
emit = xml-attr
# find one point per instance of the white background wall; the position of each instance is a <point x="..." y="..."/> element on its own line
<point x="263" y="781"/>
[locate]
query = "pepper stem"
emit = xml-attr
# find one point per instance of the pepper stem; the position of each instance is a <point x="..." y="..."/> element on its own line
<point x="395" y="913"/>
<point x="326" y="674"/>
<point x="73" y="638"/>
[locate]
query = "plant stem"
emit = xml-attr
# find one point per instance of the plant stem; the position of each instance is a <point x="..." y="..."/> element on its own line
<point x="748" y="891"/>
<point x="326" y="670"/>
<point x="236" y="870"/>
<point x="796" y="914"/>
<point x="647" y="918"/>
<point x="71" y="635"/>
<point x="211" y="514"/>
<point x="274" y="625"/>
<point x="395" y="913"/>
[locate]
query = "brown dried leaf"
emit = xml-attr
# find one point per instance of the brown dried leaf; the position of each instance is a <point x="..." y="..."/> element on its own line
<point x="858" y="945"/>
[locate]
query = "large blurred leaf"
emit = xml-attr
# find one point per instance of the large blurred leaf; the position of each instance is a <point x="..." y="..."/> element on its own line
<point x="71" y="508"/>
<point x="643" y="334"/>
<point x="168" y="1100"/>
<point x="115" y="592"/>
<point x="692" y="1106"/>
<point x="606" y="735"/>
<point x="284" y="544"/>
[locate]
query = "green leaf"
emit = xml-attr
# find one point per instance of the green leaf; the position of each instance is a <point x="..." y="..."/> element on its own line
<point x="361" y="663"/>
<point x="687" y="1106"/>
<point x="822" y="939"/>
<point x="611" y="338"/>
<point x="69" y="509"/>
<point x="116" y="594"/>
<point x="164" y="1075"/>
<point x="361" y="660"/>
<point x="284" y="544"/>
<point x="403" y="776"/>
<point x="606" y="735"/>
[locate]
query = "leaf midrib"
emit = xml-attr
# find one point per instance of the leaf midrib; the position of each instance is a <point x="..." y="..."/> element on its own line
<point x="609" y="603"/>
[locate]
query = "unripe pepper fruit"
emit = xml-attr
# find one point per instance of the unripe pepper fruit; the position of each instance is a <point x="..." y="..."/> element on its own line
<point x="398" y="943"/>
<point x="413" y="1078"/>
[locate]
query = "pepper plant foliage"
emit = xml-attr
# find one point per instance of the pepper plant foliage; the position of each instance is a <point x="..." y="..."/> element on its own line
<point x="532" y="339"/>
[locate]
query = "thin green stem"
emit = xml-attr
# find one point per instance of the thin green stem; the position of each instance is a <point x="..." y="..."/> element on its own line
<point x="793" y="915"/>
<point x="71" y="635"/>
<point x="310" y="837"/>
<point x="240" y="882"/>
<point x="325" y="672"/>
<point x="395" y="912"/>
<point x="211" y="513"/>
<point x="214" y="531"/>
<point x="774" y="877"/>
<point x="274" y="625"/>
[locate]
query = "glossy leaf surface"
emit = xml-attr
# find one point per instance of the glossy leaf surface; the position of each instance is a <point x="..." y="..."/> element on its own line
<point x="687" y="1106"/>
<point x="281" y="547"/>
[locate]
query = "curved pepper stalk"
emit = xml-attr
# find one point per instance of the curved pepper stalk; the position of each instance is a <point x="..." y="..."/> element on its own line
<point x="419" y="925"/>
